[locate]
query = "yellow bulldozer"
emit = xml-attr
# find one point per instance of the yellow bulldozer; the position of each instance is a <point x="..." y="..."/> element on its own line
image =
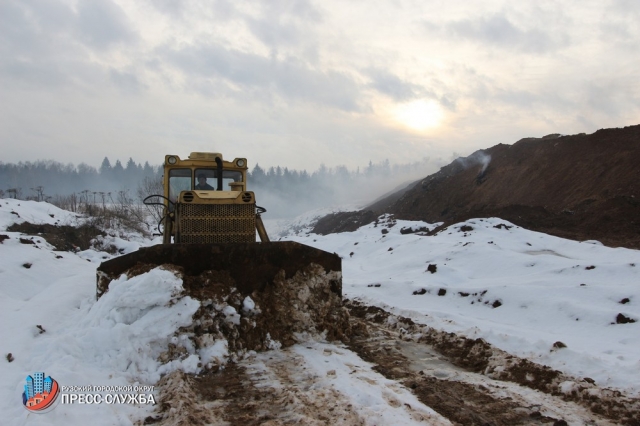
<point x="209" y="224"/>
<point x="198" y="212"/>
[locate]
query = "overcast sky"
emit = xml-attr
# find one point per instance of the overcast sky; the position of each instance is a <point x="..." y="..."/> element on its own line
<point x="298" y="83"/>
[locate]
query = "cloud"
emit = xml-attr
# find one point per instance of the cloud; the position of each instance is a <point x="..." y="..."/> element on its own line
<point x="288" y="78"/>
<point x="611" y="97"/>
<point x="276" y="32"/>
<point x="499" y="31"/>
<point x="393" y="86"/>
<point x="172" y="8"/>
<point x="101" y="23"/>
<point x="619" y="25"/>
<point x="302" y="10"/>
<point x="43" y="44"/>
<point x="625" y="7"/>
<point x="281" y="25"/>
<point x="293" y="29"/>
<point x="34" y="42"/>
<point x="30" y="23"/>
<point x="127" y="82"/>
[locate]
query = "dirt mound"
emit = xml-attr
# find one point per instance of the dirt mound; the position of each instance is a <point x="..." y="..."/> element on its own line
<point x="252" y="297"/>
<point x="581" y="187"/>
<point x="273" y="317"/>
<point x="343" y="222"/>
<point x="62" y="237"/>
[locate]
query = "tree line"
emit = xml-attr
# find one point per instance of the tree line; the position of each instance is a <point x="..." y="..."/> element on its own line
<point x="45" y="179"/>
<point x="52" y="181"/>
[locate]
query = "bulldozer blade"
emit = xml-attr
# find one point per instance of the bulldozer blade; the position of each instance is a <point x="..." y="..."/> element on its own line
<point x="248" y="266"/>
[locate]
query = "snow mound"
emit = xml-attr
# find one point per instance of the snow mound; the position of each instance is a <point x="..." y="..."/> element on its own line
<point x="127" y="330"/>
<point x="19" y="211"/>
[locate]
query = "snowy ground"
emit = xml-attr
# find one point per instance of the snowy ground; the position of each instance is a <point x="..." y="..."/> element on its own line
<point x="519" y="290"/>
<point x="548" y="289"/>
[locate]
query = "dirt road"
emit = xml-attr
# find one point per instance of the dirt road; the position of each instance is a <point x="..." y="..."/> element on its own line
<point x="392" y="371"/>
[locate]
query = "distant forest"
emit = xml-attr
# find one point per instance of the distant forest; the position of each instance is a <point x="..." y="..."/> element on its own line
<point x="289" y="191"/>
<point x="43" y="180"/>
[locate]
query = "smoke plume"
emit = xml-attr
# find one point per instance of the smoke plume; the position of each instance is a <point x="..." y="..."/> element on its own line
<point x="477" y="158"/>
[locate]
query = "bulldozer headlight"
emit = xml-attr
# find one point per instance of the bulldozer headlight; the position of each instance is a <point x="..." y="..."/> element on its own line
<point x="240" y="163"/>
<point x="172" y="160"/>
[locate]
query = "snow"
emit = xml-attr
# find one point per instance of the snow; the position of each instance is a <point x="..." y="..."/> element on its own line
<point x="520" y="290"/>
<point x="231" y="314"/>
<point x="248" y="305"/>
<point x="19" y="211"/>
<point x="376" y="399"/>
<point x="549" y="290"/>
<point x="130" y="326"/>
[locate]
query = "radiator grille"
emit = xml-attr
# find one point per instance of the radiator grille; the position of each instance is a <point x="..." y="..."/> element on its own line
<point x="217" y="223"/>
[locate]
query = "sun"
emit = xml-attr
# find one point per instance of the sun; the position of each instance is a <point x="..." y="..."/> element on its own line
<point x="418" y="115"/>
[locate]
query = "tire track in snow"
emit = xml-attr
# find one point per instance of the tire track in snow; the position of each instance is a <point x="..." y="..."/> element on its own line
<point x="392" y="371"/>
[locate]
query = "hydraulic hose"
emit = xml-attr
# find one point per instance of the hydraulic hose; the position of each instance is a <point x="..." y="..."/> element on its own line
<point x="219" y="172"/>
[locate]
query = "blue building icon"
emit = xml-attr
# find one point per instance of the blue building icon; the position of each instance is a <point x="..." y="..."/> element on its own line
<point x="28" y="388"/>
<point x="48" y="384"/>
<point x="38" y="383"/>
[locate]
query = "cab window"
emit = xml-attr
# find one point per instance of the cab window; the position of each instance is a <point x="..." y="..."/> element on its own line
<point x="207" y="179"/>
<point x="179" y="180"/>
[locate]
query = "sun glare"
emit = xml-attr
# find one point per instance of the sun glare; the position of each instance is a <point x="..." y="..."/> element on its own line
<point x="418" y="115"/>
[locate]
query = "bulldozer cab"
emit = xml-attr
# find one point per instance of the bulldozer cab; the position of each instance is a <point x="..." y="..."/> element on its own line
<point x="202" y="179"/>
<point x="206" y="201"/>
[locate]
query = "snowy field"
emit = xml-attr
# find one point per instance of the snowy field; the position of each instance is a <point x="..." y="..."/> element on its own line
<point x="519" y="290"/>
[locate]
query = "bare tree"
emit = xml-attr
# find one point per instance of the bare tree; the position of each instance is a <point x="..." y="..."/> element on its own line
<point x="16" y="192"/>
<point x="103" y="197"/>
<point x="126" y="213"/>
<point x="151" y="186"/>
<point x="39" y="190"/>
